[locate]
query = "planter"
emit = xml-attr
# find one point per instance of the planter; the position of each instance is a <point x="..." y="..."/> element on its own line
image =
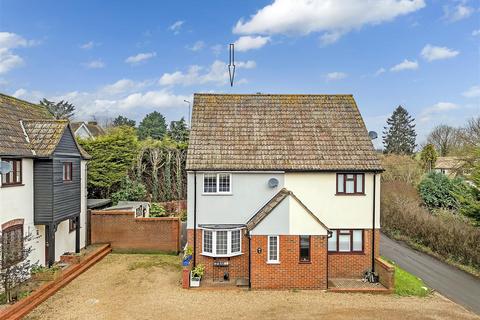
<point x="194" y="281"/>
<point x="47" y="275"/>
<point x="70" y="258"/>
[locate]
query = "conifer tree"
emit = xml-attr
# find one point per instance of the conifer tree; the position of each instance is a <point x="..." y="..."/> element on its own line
<point x="399" y="134"/>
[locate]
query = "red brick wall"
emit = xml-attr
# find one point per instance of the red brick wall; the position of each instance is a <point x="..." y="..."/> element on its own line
<point x="353" y="265"/>
<point x="238" y="265"/>
<point x="125" y="232"/>
<point x="289" y="273"/>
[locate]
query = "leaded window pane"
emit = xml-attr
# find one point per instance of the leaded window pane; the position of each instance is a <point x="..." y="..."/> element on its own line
<point x="222" y="242"/>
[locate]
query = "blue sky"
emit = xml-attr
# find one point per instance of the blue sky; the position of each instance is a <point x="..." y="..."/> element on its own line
<point x="133" y="57"/>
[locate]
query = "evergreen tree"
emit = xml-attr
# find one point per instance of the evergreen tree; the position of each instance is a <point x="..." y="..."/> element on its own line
<point x="123" y="121"/>
<point x="153" y="125"/>
<point x="179" y="131"/>
<point x="60" y="110"/>
<point x="428" y="156"/>
<point x="399" y="134"/>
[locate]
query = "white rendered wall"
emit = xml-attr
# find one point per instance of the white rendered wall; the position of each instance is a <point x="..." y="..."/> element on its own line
<point x="250" y="191"/>
<point x="17" y="203"/>
<point x="317" y="191"/>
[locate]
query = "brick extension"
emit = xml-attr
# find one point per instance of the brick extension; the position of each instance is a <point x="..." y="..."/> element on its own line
<point x="352" y="265"/>
<point x="125" y="232"/>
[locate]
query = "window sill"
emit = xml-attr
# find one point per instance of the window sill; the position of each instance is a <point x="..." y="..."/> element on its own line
<point x="217" y="194"/>
<point x="12" y="185"/>
<point x="359" y="253"/>
<point x="273" y="262"/>
<point x="305" y="262"/>
<point x="350" y="194"/>
<point x="211" y="255"/>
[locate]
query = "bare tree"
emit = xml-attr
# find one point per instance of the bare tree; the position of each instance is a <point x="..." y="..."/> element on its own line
<point x="445" y="139"/>
<point x="15" y="266"/>
<point x="471" y="133"/>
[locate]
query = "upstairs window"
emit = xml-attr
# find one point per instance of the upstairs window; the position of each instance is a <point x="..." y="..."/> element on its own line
<point x="217" y="183"/>
<point x="222" y="243"/>
<point x="304" y="249"/>
<point x="67" y="171"/>
<point x="14" y="177"/>
<point x="350" y="183"/>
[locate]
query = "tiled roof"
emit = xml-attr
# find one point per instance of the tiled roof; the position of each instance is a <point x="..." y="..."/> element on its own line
<point x="272" y="204"/>
<point x="12" y="137"/>
<point x="278" y="132"/>
<point x="449" y="163"/>
<point x="95" y="129"/>
<point x="29" y="130"/>
<point x="44" y="135"/>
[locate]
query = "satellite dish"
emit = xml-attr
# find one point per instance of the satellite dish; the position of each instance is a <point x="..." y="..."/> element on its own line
<point x="273" y="182"/>
<point x="5" y="167"/>
<point x="373" y="135"/>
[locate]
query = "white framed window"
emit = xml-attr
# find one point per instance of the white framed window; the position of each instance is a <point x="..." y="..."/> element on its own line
<point x="222" y="243"/>
<point x="217" y="183"/>
<point x="273" y="252"/>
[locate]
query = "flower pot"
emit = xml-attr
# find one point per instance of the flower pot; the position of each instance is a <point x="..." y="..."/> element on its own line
<point x="194" y="281"/>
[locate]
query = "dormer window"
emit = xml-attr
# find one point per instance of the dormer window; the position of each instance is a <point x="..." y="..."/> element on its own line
<point x="67" y="171"/>
<point x="217" y="183"/>
<point x="350" y="183"/>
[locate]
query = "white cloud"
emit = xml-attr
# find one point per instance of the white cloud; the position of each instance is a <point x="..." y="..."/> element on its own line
<point x="19" y="93"/>
<point x="333" y="18"/>
<point x="431" y="53"/>
<point x="8" y="42"/>
<point x="472" y="92"/>
<point x="458" y="12"/>
<point x="124" y="86"/>
<point x="476" y="32"/>
<point x="176" y="26"/>
<point x="217" y="49"/>
<point x="88" y="45"/>
<point x="141" y="57"/>
<point x="216" y="73"/>
<point x="405" y="65"/>
<point x="197" y="46"/>
<point x="380" y="71"/>
<point x="334" y="76"/>
<point x="246" y="43"/>
<point x="438" y="108"/>
<point x="95" y="64"/>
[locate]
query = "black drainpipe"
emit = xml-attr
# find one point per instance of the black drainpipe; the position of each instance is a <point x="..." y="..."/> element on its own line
<point x="194" y="218"/>
<point x="249" y="260"/>
<point x="373" y="221"/>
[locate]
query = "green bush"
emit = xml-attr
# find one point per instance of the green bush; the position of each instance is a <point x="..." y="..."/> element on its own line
<point x="129" y="191"/>
<point x="446" y="235"/>
<point x="157" y="210"/>
<point x="436" y="190"/>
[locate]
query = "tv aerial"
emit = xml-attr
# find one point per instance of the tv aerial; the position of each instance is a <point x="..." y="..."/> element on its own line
<point x="231" y="63"/>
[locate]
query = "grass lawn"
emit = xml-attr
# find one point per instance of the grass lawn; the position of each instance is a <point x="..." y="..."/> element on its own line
<point x="406" y="284"/>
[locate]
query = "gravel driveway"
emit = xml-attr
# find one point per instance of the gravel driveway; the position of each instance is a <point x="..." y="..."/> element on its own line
<point x="126" y="286"/>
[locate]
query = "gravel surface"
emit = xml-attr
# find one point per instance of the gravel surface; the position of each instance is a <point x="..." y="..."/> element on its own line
<point x="125" y="286"/>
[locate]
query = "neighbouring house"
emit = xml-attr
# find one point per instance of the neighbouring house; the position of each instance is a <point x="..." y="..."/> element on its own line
<point x="449" y="166"/>
<point x="283" y="190"/>
<point x="44" y="192"/>
<point x="87" y="129"/>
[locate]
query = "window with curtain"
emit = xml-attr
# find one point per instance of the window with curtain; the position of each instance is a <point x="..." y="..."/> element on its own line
<point x="350" y="183"/>
<point x="304" y="248"/>
<point x="346" y="241"/>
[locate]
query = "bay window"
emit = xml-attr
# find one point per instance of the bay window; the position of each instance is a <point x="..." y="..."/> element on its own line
<point x="346" y="241"/>
<point x="222" y="243"/>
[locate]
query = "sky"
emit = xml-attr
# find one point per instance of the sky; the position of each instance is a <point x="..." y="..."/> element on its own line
<point x="130" y="58"/>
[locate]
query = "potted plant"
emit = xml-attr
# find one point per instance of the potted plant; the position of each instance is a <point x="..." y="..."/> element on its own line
<point x="196" y="275"/>
<point x="187" y="256"/>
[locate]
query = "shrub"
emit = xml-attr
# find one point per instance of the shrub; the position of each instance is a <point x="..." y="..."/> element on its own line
<point x="446" y="235"/>
<point x="436" y="190"/>
<point x="129" y="191"/>
<point x="157" y="210"/>
<point x="401" y="168"/>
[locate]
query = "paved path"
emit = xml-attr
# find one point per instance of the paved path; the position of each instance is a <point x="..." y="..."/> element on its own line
<point x="451" y="282"/>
